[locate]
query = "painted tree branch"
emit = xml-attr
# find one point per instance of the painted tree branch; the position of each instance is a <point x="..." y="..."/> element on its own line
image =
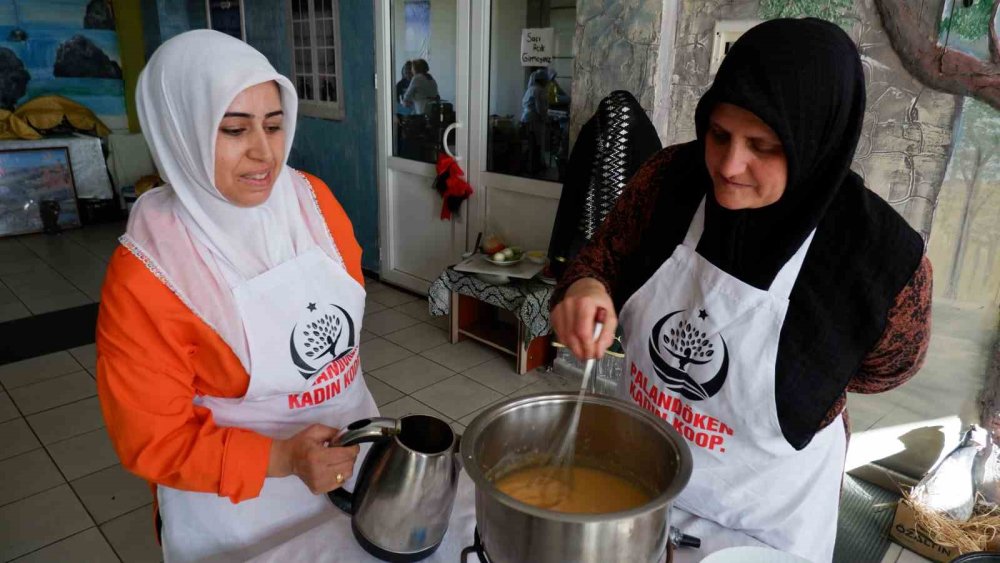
<point x="994" y="39"/>
<point x="914" y="39"/>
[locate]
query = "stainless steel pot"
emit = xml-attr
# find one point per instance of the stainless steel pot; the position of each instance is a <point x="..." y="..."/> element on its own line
<point x="614" y="436"/>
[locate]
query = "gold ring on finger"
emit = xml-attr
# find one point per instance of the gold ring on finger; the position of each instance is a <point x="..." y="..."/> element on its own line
<point x="340" y="477"/>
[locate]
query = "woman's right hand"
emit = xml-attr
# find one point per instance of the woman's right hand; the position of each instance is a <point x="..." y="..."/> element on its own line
<point x="307" y="456"/>
<point x="574" y="317"/>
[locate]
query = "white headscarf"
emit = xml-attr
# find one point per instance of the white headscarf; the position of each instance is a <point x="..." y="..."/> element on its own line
<point x="198" y="243"/>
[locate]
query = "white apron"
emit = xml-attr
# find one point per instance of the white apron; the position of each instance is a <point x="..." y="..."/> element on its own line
<point x="303" y="323"/>
<point x="700" y="347"/>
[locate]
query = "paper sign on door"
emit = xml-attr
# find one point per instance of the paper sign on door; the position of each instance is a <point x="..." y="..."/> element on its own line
<point x="537" y="46"/>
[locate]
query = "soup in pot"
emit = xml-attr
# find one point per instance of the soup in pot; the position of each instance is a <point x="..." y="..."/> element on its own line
<point x="572" y="489"/>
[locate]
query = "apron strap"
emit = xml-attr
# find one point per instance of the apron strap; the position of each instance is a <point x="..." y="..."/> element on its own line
<point x="783" y="282"/>
<point x="696" y="228"/>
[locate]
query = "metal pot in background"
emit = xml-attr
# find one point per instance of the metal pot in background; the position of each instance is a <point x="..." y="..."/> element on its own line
<point x="406" y="486"/>
<point x="613" y="436"/>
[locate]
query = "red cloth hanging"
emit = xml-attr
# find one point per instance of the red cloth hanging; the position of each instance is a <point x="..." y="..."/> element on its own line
<point x="451" y="184"/>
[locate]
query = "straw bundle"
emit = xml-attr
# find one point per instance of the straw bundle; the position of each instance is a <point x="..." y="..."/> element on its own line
<point x="972" y="535"/>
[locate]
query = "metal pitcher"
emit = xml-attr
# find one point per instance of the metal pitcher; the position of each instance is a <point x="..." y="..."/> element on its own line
<point x="406" y="487"/>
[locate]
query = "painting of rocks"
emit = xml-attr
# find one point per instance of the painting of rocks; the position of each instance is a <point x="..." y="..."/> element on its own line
<point x="69" y="48"/>
<point x="79" y="57"/>
<point x="13" y="78"/>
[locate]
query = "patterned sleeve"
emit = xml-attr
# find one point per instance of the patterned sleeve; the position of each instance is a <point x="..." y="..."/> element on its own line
<point x="619" y="235"/>
<point x="901" y="349"/>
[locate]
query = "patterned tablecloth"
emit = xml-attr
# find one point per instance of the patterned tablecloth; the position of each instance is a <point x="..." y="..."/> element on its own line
<point x="527" y="299"/>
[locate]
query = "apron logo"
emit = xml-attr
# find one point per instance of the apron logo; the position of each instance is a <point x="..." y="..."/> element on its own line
<point x="690" y="347"/>
<point x="317" y="341"/>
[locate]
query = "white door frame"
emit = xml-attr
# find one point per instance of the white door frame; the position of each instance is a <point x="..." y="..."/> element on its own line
<point x="472" y="80"/>
<point x="384" y="82"/>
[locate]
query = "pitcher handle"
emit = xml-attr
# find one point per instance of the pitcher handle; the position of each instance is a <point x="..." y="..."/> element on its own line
<point x="360" y="431"/>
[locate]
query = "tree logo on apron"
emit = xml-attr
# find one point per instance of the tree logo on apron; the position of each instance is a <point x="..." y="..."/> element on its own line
<point x="691" y="348"/>
<point x="320" y="339"/>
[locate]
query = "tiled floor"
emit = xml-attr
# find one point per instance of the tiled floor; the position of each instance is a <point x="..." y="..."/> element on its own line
<point x="43" y="273"/>
<point x="64" y="496"/>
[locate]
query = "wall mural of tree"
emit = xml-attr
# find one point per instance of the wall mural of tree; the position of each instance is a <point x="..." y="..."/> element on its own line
<point x="840" y="12"/>
<point x="975" y="23"/>
<point x="913" y="28"/>
<point x="965" y="244"/>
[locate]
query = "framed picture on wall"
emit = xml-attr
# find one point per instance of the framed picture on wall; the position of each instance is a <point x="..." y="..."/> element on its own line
<point x="36" y="184"/>
<point x="226" y="16"/>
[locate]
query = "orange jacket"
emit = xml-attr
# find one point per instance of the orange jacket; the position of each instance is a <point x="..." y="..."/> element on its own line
<point x="154" y="355"/>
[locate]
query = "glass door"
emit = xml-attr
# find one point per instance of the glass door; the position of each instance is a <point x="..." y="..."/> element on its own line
<point x="423" y="84"/>
<point x="520" y="138"/>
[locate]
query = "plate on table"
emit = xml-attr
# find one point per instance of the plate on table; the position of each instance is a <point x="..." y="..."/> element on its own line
<point x="494" y="279"/>
<point x="537" y="256"/>
<point x="752" y="554"/>
<point x="504" y="263"/>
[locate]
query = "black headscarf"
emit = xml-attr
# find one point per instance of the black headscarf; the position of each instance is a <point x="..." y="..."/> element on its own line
<point x="804" y="79"/>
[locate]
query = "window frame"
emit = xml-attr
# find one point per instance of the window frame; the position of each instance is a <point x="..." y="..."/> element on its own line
<point x="333" y="110"/>
<point x="243" y="19"/>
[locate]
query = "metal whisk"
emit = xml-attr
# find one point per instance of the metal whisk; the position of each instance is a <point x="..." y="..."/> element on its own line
<point x="557" y="481"/>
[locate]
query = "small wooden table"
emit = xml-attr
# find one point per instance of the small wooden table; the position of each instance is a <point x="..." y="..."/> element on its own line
<point x="475" y="319"/>
<point x="512" y="318"/>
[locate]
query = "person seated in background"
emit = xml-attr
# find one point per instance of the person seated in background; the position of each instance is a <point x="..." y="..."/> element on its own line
<point x="422" y="89"/>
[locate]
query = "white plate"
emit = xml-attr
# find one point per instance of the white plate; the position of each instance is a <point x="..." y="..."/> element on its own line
<point x="748" y="554"/>
<point x="504" y="263"/>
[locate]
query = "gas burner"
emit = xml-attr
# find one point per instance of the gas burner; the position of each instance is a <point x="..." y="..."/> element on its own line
<point x="477" y="548"/>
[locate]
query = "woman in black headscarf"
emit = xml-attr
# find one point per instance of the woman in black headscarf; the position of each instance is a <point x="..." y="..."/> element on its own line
<point x="757" y="280"/>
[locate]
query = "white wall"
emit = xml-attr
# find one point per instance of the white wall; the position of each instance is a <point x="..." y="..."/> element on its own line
<point x="399" y="54"/>
<point x="441" y="56"/>
<point x="563" y="23"/>
<point x="507" y="81"/>
<point x="401" y="50"/>
<point x="507" y="76"/>
<point x="438" y="49"/>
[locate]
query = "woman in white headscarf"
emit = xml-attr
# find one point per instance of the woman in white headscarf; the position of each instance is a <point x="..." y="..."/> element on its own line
<point x="230" y="316"/>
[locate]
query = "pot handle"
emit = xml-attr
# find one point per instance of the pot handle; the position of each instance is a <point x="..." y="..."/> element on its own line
<point x="680" y="539"/>
<point x="357" y="432"/>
